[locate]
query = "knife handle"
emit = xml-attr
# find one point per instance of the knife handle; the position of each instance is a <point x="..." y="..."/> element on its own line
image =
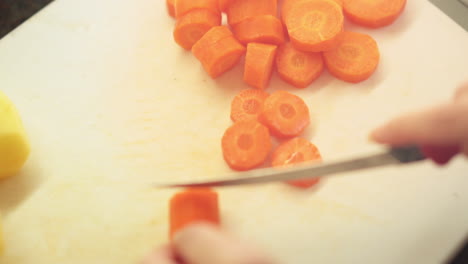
<point x="407" y="154"/>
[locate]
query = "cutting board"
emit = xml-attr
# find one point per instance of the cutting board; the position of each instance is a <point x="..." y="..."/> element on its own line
<point x="111" y="104"/>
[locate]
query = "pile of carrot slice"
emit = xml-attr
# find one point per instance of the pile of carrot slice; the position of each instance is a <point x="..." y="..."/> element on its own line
<point x="300" y="38"/>
<point x="257" y="116"/>
<point x="297" y="37"/>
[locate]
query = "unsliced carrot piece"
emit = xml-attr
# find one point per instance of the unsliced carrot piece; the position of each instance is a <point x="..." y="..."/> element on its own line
<point x="262" y="29"/>
<point x="247" y="105"/>
<point x="373" y="14"/>
<point x="314" y="25"/>
<point x="224" y="4"/>
<point x="285" y="114"/>
<point x="191" y="206"/>
<point x="295" y="151"/>
<point x="182" y="7"/>
<point x="246" y="145"/>
<point x="240" y="10"/>
<point x="170" y="5"/>
<point x="193" y="25"/>
<point x="355" y="58"/>
<point x="218" y="51"/>
<point x="296" y="67"/>
<point x="259" y="62"/>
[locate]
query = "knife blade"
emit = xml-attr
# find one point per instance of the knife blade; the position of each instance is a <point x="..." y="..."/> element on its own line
<point x="392" y="156"/>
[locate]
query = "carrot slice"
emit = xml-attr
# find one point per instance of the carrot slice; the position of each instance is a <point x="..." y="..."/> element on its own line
<point x="314" y="25"/>
<point x="170" y="5"/>
<point x="218" y="51"/>
<point x="240" y="10"/>
<point x="223" y="5"/>
<point x="355" y="58"/>
<point x="288" y="3"/>
<point x="285" y="114"/>
<point x="193" y="25"/>
<point x="182" y="7"/>
<point x="373" y="14"/>
<point x="191" y="206"/>
<point x="247" y="105"/>
<point x="246" y="145"/>
<point x="262" y="29"/>
<point x="296" y="67"/>
<point x="294" y="151"/>
<point x="259" y="64"/>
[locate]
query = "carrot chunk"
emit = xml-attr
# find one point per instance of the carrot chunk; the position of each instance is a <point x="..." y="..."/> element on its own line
<point x="262" y="29"/>
<point x="193" y="25"/>
<point x="294" y="151"/>
<point x="247" y="105"/>
<point x="191" y="206"/>
<point x="373" y="14"/>
<point x="240" y="10"/>
<point x="170" y="5"/>
<point x="296" y="67"/>
<point x="182" y="7"/>
<point x="285" y="114"/>
<point x="218" y="51"/>
<point x="355" y="58"/>
<point x="246" y="145"/>
<point x="314" y="25"/>
<point x="259" y="64"/>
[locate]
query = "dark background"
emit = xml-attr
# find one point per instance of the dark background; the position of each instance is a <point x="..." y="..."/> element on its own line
<point x="15" y="12"/>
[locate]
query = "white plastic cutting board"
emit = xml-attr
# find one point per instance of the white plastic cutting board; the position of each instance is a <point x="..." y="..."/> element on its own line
<point x="111" y="104"/>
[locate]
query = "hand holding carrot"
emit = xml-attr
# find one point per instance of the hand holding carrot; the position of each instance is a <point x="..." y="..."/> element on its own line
<point x="205" y="244"/>
<point x="442" y="131"/>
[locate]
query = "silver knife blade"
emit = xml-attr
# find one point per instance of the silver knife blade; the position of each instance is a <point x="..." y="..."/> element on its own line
<point x="400" y="155"/>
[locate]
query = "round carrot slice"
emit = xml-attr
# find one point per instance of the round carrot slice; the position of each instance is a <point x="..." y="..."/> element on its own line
<point x="259" y="61"/>
<point x="373" y="14"/>
<point x="285" y="114"/>
<point x="246" y="145"/>
<point x="193" y="25"/>
<point x="247" y="105"/>
<point x="314" y="25"/>
<point x="355" y="58"/>
<point x="294" y="151"/>
<point x="296" y="67"/>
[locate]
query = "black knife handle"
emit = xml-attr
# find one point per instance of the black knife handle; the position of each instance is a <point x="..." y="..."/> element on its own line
<point x="407" y="154"/>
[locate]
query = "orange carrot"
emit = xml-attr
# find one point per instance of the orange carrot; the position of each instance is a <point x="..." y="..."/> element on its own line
<point x="314" y="25"/>
<point x="285" y="114"/>
<point x="192" y="206"/>
<point x="355" y="58"/>
<point x="218" y="51"/>
<point x="288" y="3"/>
<point x="247" y="105"/>
<point x="170" y="7"/>
<point x="224" y="4"/>
<point x="294" y="151"/>
<point x="193" y="25"/>
<point x="240" y="10"/>
<point x="182" y="7"/>
<point x="246" y="145"/>
<point x="259" y="64"/>
<point x="373" y="14"/>
<point x="296" y="67"/>
<point x="262" y="29"/>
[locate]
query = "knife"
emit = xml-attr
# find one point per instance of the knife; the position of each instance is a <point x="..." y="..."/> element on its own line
<point x="392" y="156"/>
